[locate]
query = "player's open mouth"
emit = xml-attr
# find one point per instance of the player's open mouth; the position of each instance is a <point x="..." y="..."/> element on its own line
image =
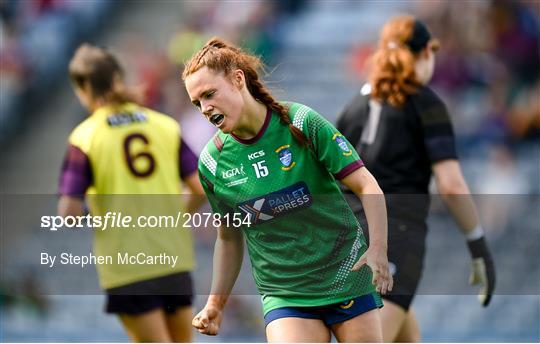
<point x="217" y="119"/>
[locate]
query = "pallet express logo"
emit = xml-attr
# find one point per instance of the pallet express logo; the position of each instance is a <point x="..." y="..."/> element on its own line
<point x="276" y="204"/>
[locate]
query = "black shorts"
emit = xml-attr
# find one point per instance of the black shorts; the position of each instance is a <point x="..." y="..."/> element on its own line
<point x="406" y="250"/>
<point x="167" y="292"/>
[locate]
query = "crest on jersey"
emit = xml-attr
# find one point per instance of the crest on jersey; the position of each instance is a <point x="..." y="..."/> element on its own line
<point x="285" y="157"/>
<point x="342" y="143"/>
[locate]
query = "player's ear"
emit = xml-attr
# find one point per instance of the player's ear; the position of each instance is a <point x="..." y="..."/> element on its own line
<point x="118" y="81"/>
<point x="238" y="78"/>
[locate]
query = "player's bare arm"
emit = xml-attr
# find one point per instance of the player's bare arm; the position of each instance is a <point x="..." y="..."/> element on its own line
<point x="228" y="254"/>
<point x="70" y="206"/>
<point x="457" y="198"/>
<point x="197" y="197"/>
<point x="364" y="185"/>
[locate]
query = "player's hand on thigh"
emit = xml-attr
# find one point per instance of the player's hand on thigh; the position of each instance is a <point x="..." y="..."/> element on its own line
<point x="377" y="260"/>
<point x="208" y="320"/>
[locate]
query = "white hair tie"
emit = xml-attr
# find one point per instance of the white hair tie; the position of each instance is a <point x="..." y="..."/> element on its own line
<point x="392" y="45"/>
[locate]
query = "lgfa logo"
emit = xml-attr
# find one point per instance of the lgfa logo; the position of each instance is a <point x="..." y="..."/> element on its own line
<point x="233" y="172"/>
<point x="342" y="144"/>
<point x="285" y="157"/>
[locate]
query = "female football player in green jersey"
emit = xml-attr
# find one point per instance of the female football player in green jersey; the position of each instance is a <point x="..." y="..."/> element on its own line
<point x="276" y="166"/>
<point x="129" y="157"/>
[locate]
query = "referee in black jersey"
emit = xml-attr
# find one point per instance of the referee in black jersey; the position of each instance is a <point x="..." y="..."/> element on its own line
<point x="403" y="133"/>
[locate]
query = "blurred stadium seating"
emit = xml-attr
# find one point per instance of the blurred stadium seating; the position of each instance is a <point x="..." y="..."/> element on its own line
<point x="38" y="37"/>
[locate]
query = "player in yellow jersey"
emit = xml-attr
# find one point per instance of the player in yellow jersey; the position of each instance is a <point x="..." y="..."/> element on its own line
<point x="125" y="156"/>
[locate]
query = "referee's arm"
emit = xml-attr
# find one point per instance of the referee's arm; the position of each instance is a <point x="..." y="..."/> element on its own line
<point x="456" y="194"/>
<point x="457" y="197"/>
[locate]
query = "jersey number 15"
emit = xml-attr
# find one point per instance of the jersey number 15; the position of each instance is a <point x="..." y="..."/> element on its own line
<point x="260" y="170"/>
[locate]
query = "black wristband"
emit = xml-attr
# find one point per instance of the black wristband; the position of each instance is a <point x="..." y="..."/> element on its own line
<point x="478" y="248"/>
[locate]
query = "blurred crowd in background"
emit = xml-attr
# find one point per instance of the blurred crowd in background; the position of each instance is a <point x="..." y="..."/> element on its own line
<point x="488" y="70"/>
<point x="488" y="67"/>
<point x="488" y="73"/>
<point x="38" y="37"/>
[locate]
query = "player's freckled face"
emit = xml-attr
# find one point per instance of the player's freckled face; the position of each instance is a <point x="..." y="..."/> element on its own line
<point x="218" y="98"/>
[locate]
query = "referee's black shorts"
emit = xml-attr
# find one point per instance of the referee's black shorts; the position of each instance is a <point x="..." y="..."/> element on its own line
<point x="406" y="250"/>
<point x="168" y="292"/>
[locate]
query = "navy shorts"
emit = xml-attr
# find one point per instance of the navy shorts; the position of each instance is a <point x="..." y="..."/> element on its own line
<point x="167" y="292"/>
<point x="329" y="314"/>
